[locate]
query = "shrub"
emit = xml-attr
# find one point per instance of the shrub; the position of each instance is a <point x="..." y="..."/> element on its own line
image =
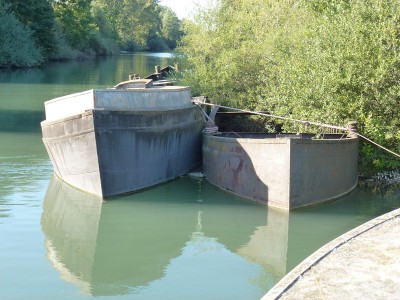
<point x="17" y="46"/>
<point x="325" y="61"/>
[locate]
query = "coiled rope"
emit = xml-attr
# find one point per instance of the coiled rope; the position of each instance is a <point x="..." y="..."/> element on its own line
<point x="347" y="129"/>
<point x="210" y="125"/>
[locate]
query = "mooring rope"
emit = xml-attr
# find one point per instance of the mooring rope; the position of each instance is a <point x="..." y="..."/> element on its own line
<point x="376" y="144"/>
<point x="205" y="114"/>
<point x="199" y="102"/>
<point x="274" y="116"/>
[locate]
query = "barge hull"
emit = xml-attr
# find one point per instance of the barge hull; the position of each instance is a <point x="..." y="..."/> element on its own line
<point x="107" y="152"/>
<point x="282" y="172"/>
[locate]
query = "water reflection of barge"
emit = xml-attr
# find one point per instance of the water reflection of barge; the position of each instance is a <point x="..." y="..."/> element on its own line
<point x="163" y="239"/>
<point x="113" y="141"/>
<point x="285" y="171"/>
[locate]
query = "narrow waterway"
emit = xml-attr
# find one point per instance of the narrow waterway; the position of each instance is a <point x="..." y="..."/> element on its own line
<point x="182" y="240"/>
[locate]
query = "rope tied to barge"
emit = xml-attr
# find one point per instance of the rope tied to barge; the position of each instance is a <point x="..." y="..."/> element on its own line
<point x="351" y="129"/>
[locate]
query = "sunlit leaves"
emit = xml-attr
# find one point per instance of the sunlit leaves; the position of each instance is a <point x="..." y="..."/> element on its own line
<point x="133" y="21"/>
<point x="327" y="61"/>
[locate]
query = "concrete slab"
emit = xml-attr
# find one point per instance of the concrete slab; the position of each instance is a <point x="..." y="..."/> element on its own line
<point x="361" y="264"/>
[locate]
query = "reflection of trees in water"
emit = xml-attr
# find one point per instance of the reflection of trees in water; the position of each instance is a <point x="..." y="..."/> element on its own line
<point x="383" y="197"/>
<point x="20" y="120"/>
<point x="126" y="243"/>
<point x="387" y="188"/>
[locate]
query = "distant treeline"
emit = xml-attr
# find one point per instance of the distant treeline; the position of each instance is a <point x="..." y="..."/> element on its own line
<point x="36" y="31"/>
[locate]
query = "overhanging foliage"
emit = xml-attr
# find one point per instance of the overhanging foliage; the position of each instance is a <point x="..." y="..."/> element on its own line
<point x="326" y="61"/>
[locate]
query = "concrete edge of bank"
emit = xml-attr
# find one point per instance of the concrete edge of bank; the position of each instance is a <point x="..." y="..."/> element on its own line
<point x="287" y="282"/>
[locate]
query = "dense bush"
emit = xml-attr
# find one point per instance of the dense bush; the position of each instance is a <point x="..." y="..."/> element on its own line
<point x="17" y="45"/>
<point x="327" y="61"/>
<point x="38" y="15"/>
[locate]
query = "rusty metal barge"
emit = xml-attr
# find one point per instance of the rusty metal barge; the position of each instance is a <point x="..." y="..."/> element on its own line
<point x="114" y="141"/>
<point x="282" y="170"/>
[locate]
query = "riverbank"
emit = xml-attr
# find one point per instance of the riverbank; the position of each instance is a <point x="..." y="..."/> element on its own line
<point x="361" y="264"/>
<point x="383" y="183"/>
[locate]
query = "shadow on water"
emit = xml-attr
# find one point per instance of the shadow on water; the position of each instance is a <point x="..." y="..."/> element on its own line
<point x="20" y="120"/>
<point x="177" y="238"/>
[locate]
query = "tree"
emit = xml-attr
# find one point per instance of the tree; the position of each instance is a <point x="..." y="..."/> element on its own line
<point x="100" y="18"/>
<point x="170" y="27"/>
<point x="329" y="61"/>
<point x="76" y="21"/>
<point x="221" y="50"/>
<point x="104" y="39"/>
<point x="133" y="21"/>
<point x="39" y="17"/>
<point x="17" y="44"/>
<point x="346" y="66"/>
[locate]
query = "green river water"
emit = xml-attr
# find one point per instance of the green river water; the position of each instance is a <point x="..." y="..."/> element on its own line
<point x="182" y="240"/>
